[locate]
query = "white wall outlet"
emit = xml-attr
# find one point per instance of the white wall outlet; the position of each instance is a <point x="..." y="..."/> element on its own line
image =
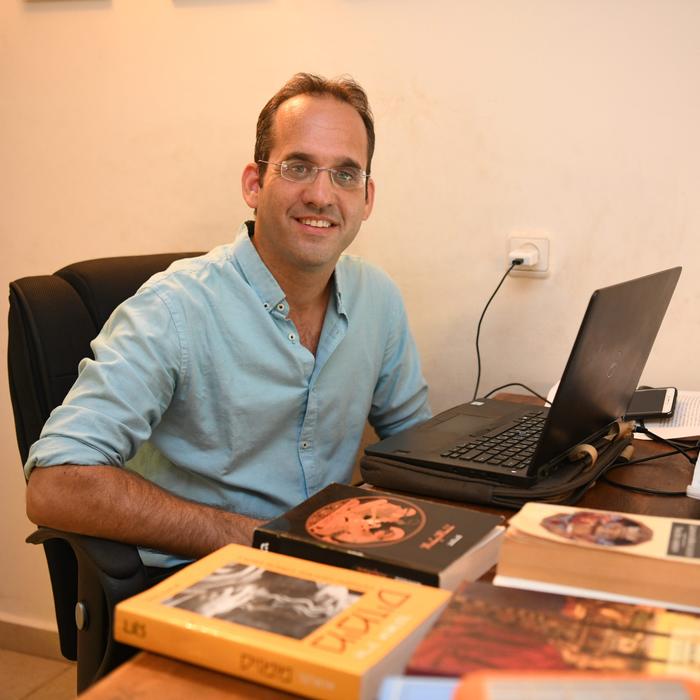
<point x="541" y="267"/>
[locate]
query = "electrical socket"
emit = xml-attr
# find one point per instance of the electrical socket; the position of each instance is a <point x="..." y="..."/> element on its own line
<point x="541" y="267"/>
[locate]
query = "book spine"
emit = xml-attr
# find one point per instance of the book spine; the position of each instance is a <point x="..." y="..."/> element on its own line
<point x="347" y="559"/>
<point x="234" y="657"/>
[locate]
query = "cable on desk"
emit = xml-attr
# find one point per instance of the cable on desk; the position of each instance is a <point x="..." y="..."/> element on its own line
<point x="676" y="444"/>
<point x="524" y="386"/>
<point x="641" y="489"/>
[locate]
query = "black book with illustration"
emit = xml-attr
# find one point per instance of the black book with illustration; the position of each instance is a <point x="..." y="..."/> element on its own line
<point x="399" y="536"/>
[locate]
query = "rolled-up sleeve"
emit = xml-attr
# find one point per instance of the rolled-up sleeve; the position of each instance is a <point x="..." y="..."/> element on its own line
<point x="120" y="396"/>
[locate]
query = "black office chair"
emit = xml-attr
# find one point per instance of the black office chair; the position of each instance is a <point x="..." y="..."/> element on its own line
<point x="52" y="320"/>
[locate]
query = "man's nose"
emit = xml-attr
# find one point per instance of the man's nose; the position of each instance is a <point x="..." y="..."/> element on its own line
<point x="321" y="191"/>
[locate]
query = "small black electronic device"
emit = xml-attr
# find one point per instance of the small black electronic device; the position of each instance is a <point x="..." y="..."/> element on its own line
<point x="652" y="402"/>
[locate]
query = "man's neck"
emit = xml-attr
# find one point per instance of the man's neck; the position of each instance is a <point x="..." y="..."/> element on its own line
<point x="307" y="292"/>
<point x="308" y="301"/>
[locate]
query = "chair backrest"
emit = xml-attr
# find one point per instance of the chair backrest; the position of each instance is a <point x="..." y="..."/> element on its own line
<point x="52" y="320"/>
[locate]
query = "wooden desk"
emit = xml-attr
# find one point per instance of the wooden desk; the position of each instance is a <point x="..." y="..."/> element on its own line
<point x="669" y="473"/>
<point x="150" y="676"/>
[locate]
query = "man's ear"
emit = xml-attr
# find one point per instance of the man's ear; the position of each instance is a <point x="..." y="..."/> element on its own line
<point x="369" y="199"/>
<point x="250" y="184"/>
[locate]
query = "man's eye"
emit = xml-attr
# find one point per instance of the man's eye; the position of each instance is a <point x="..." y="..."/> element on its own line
<point x="298" y="168"/>
<point x="347" y="175"/>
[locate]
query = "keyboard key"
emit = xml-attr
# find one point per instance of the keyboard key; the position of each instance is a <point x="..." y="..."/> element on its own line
<point x="510" y="446"/>
<point x="469" y="456"/>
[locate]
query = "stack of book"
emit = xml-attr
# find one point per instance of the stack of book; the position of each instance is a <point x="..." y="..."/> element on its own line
<point x="604" y="554"/>
<point x="587" y="591"/>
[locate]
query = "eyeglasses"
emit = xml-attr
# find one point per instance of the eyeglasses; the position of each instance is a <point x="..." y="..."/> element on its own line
<point x="347" y="177"/>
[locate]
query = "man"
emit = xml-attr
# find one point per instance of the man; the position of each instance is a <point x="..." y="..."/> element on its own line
<point x="234" y="385"/>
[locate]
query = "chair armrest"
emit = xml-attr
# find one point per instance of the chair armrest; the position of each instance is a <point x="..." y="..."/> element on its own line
<point x="106" y="573"/>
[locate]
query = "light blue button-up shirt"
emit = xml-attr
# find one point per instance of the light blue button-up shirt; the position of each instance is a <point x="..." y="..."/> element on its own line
<point x="200" y="384"/>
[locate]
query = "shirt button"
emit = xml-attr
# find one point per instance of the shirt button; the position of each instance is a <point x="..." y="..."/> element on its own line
<point x="304" y="444"/>
<point x="266" y="306"/>
<point x="280" y="307"/>
<point x="292" y="337"/>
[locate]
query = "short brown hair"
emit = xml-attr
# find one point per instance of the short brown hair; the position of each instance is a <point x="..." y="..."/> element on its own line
<point x="343" y="88"/>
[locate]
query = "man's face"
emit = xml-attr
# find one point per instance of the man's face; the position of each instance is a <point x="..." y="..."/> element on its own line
<point x="616" y="530"/>
<point x="306" y="226"/>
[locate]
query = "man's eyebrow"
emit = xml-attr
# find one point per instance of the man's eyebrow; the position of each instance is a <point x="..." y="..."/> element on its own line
<point x="343" y="163"/>
<point x="298" y="155"/>
<point x="349" y="163"/>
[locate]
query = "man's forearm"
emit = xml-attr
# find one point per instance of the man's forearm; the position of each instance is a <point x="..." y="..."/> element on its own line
<point x="117" y="504"/>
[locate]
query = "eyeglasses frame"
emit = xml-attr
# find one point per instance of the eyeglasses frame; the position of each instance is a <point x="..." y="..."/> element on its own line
<point x="317" y="169"/>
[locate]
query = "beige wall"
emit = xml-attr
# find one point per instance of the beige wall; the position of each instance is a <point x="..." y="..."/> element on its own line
<point x="124" y="126"/>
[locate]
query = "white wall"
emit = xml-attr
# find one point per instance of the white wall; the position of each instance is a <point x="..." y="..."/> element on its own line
<point x="124" y="126"/>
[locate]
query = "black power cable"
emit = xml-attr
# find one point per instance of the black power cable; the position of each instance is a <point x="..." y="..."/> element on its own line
<point x="478" y="327"/>
<point x="520" y="384"/>
<point x="677" y="447"/>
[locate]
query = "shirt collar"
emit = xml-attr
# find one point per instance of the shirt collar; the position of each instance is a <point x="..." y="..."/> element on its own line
<point x="262" y="280"/>
<point x="254" y="269"/>
<point x="337" y="289"/>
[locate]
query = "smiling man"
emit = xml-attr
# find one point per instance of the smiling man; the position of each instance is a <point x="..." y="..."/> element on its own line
<point x="233" y="386"/>
<point x="311" y="193"/>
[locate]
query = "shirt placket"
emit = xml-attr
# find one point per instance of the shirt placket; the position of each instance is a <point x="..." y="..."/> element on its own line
<point x="309" y="417"/>
<point x="331" y="336"/>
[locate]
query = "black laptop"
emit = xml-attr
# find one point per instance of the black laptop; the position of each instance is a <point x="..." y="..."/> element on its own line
<point x="514" y="443"/>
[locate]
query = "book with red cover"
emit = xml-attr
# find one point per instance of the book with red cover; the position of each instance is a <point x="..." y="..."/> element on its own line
<point x="400" y="536"/>
<point x="493" y="627"/>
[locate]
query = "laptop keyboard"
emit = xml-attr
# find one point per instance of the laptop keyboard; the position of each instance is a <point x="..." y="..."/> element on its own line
<point x="510" y="447"/>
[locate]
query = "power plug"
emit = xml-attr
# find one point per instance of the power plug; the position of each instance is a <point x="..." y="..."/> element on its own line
<point x="531" y="253"/>
<point x="527" y="254"/>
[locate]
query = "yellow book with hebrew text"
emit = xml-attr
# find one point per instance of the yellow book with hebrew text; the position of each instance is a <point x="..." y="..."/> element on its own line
<point x="300" y="626"/>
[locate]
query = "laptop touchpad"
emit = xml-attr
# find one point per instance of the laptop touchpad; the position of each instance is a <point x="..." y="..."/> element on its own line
<point x="466" y="422"/>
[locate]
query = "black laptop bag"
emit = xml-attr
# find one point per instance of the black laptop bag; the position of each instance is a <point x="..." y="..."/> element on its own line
<point x="576" y="473"/>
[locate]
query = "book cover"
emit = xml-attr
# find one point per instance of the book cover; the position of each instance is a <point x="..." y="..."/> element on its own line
<point x="572" y="685"/>
<point x="296" y="625"/>
<point x="625" y="555"/>
<point x="417" y="688"/>
<point x="491" y="627"/>
<point x="436" y="544"/>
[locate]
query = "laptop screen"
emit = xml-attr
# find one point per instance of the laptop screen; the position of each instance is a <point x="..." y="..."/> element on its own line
<point x="607" y="360"/>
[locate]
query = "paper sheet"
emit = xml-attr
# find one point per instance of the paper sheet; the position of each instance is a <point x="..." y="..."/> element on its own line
<point x="685" y="422"/>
